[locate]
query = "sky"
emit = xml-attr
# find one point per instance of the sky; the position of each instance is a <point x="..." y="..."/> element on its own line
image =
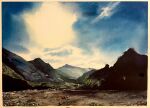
<point x="84" y="34"/>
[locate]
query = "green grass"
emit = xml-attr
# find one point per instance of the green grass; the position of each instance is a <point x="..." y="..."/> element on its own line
<point x="10" y="72"/>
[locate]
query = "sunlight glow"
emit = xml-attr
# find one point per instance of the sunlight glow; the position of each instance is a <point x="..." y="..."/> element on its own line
<point x="51" y="25"/>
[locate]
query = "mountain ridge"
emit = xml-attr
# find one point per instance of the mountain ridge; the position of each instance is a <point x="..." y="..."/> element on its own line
<point x="129" y="70"/>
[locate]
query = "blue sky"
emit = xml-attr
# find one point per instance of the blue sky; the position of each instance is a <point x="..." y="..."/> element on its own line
<point x="86" y="34"/>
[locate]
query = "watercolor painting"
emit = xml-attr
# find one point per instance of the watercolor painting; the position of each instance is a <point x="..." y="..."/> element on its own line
<point x="74" y="53"/>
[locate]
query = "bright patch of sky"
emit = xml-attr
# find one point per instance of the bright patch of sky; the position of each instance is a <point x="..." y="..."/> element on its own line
<point x="85" y="34"/>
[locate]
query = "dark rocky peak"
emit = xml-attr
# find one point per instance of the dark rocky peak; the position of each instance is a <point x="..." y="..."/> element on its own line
<point x="131" y="57"/>
<point x="39" y="62"/>
<point x="42" y="66"/>
<point x="131" y="51"/>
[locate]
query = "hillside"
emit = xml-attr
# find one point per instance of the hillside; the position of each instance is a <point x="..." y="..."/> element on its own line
<point x="129" y="72"/>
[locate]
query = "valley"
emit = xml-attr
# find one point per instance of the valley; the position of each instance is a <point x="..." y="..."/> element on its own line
<point x="74" y="53"/>
<point x="36" y="83"/>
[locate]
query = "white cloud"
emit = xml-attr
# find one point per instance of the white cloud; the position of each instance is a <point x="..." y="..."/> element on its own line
<point x="50" y="26"/>
<point x="96" y="59"/>
<point x="106" y="11"/>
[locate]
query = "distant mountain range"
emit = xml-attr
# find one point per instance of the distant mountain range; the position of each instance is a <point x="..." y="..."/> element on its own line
<point x="129" y="72"/>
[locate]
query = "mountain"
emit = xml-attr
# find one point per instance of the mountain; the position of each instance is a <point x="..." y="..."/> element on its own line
<point x="41" y="65"/>
<point x="129" y="72"/>
<point x="46" y="68"/>
<point x="27" y="70"/>
<point x="12" y="81"/>
<point x="19" y="74"/>
<point x="71" y="72"/>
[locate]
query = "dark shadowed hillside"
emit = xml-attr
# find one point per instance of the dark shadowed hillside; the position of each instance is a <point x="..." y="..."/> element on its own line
<point x="27" y="70"/>
<point x="13" y="84"/>
<point x="129" y="72"/>
<point x="12" y="81"/>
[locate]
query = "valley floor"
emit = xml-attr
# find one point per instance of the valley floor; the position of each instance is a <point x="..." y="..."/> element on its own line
<point x="74" y="97"/>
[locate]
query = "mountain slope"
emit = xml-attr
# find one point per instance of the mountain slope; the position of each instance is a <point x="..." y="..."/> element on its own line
<point x="41" y="65"/>
<point x="27" y="70"/>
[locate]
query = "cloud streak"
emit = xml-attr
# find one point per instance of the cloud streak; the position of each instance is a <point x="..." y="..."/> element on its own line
<point x="106" y="11"/>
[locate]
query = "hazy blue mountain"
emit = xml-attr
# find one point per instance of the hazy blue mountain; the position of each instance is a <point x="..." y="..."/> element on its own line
<point x="71" y="72"/>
